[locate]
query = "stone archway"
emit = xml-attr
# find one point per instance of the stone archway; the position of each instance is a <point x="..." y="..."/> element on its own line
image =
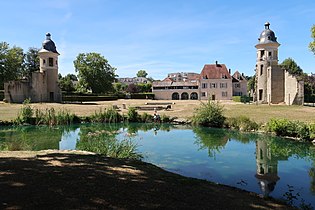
<point x="194" y="96"/>
<point x="175" y="96"/>
<point x="184" y="96"/>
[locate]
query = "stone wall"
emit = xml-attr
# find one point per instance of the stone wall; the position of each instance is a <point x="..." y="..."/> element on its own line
<point x="294" y="90"/>
<point x="16" y="91"/>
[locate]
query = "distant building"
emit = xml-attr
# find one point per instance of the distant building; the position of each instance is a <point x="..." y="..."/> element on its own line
<point x="214" y="82"/>
<point x="274" y="84"/>
<point x="133" y="80"/>
<point x="42" y="86"/>
<point x="239" y="83"/>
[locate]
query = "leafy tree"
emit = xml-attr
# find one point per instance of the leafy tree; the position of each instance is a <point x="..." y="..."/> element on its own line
<point x="31" y="61"/>
<point x="251" y="83"/>
<point x="66" y="83"/>
<point x="291" y="66"/>
<point x="11" y="63"/>
<point x="94" y="72"/>
<point x="132" y="88"/>
<point x="312" y="44"/>
<point x="144" y="87"/>
<point x="142" y="73"/>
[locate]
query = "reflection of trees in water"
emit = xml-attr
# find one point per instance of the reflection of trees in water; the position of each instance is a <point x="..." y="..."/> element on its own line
<point x="215" y="139"/>
<point x="212" y="139"/>
<point x="30" y="138"/>
<point x="133" y="128"/>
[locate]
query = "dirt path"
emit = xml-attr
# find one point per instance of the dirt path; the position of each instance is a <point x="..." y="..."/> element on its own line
<point x="79" y="180"/>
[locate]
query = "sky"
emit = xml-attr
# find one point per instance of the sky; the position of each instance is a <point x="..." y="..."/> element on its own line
<point x="161" y="36"/>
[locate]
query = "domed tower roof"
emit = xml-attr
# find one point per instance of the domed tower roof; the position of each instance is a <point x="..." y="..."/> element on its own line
<point x="49" y="45"/>
<point x="267" y="35"/>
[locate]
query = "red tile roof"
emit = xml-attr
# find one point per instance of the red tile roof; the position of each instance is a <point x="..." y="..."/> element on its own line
<point x="215" y="71"/>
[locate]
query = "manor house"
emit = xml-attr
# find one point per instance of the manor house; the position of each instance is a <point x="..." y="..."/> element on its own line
<point x="42" y="86"/>
<point x="214" y="82"/>
<point x="274" y="84"/>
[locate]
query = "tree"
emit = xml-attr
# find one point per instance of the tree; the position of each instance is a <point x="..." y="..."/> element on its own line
<point x="11" y="63"/>
<point x="132" y="88"/>
<point x="142" y="73"/>
<point x="31" y="61"/>
<point x="67" y="83"/>
<point x="291" y="66"/>
<point x="312" y="44"/>
<point x="94" y="72"/>
<point x="251" y="83"/>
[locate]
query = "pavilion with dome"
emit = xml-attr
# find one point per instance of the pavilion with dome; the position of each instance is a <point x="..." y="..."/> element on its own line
<point x="42" y="86"/>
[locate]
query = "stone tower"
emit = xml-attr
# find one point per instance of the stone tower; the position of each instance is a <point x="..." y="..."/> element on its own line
<point x="48" y="57"/>
<point x="269" y="75"/>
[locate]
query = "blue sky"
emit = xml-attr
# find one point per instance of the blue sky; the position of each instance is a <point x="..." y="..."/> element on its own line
<point x="161" y="36"/>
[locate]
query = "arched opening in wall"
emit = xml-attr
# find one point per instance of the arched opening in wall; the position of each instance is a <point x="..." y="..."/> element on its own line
<point x="184" y="96"/>
<point x="194" y="96"/>
<point x="175" y="96"/>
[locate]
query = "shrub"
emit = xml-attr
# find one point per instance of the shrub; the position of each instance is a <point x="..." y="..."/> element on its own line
<point x="209" y="114"/>
<point x="105" y="143"/>
<point x="109" y="115"/>
<point x="51" y="117"/>
<point x="26" y="113"/>
<point x="145" y="117"/>
<point x="284" y="127"/>
<point x="312" y="130"/>
<point x="132" y="115"/>
<point x="241" y="123"/>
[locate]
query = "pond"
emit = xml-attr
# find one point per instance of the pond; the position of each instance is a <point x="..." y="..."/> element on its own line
<point x="263" y="164"/>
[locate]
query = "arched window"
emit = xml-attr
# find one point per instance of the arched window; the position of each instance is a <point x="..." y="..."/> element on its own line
<point x="184" y="96"/>
<point x="175" y="96"/>
<point x="194" y="96"/>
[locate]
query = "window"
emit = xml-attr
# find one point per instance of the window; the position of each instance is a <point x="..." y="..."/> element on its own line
<point x="203" y="94"/>
<point x="44" y="61"/>
<point x="223" y="85"/>
<point x="224" y="94"/>
<point x="261" y="69"/>
<point x="237" y="85"/>
<point x="204" y="85"/>
<point x="50" y="61"/>
<point x="269" y="54"/>
<point x="213" y="85"/>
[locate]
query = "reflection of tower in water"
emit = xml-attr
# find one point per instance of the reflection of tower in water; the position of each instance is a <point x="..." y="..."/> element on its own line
<point x="267" y="168"/>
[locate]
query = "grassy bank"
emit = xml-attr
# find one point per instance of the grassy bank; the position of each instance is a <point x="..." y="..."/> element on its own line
<point x="181" y="109"/>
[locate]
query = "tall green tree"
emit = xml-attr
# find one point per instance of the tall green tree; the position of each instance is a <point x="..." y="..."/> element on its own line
<point x="142" y="73"/>
<point x="290" y="65"/>
<point x="31" y="61"/>
<point x="94" y="72"/>
<point x="11" y="63"/>
<point x="67" y="83"/>
<point x="311" y="46"/>
<point x="251" y="81"/>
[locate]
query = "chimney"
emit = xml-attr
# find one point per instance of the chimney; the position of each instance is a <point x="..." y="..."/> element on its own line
<point x="243" y="74"/>
<point x="216" y="63"/>
<point x="229" y="71"/>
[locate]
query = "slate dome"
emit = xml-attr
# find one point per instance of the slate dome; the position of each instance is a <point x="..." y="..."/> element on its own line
<point x="49" y="45"/>
<point x="267" y="35"/>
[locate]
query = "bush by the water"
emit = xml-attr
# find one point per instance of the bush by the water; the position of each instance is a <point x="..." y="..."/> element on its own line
<point x="209" y="114"/>
<point x="296" y="129"/>
<point x="132" y="115"/>
<point x="241" y="123"/>
<point x="52" y="117"/>
<point x="107" y="115"/>
<point x="105" y="143"/>
<point x="25" y="114"/>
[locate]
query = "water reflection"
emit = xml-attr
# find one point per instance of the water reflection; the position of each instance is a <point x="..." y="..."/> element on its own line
<point x="259" y="163"/>
<point x="267" y="168"/>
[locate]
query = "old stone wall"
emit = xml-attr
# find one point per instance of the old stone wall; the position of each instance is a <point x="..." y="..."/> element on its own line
<point x="294" y="90"/>
<point x="17" y="91"/>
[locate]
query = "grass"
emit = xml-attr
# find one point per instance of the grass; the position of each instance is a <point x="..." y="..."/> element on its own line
<point x="181" y="109"/>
